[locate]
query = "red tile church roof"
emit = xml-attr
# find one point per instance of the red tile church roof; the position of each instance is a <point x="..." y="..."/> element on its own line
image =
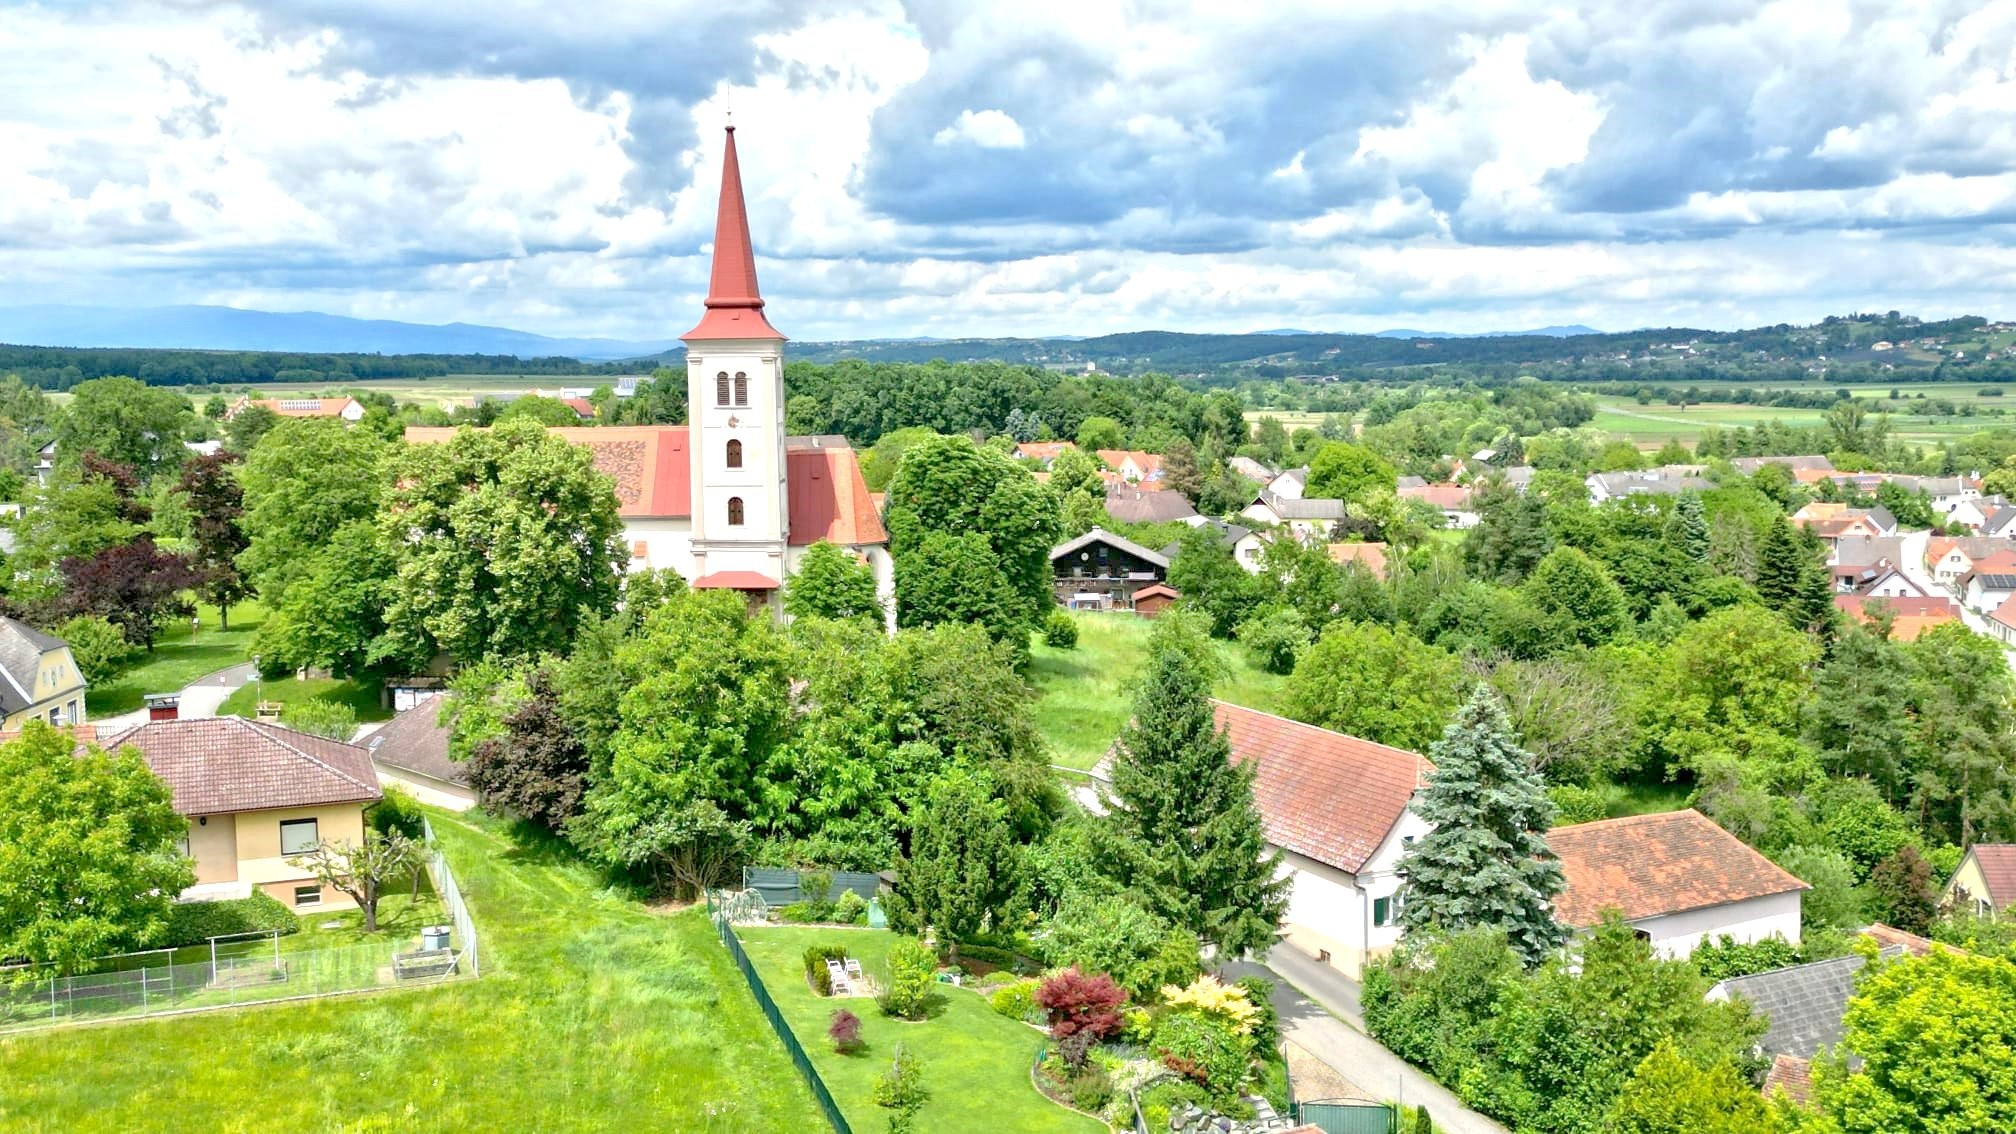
<point x="734" y="303"/>
<point x="1647" y="865"/>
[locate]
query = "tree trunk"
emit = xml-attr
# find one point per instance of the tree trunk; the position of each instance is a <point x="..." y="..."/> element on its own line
<point x="223" y="618"/>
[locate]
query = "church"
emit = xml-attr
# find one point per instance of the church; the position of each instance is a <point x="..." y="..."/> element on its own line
<point x="728" y="500"/>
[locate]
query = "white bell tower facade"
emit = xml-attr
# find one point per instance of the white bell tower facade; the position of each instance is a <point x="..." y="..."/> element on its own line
<point x="735" y="414"/>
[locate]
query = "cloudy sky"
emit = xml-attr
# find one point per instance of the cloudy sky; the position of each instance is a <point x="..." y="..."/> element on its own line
<point x="964" y="168"/>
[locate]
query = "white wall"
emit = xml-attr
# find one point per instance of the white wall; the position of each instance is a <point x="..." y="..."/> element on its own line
<point x="667" y="543"/>
<point x="1676" y="935"/>
<point x="1897" y="586"/>
<point x="1331" y="911"/>
<point x="427" y="789"/>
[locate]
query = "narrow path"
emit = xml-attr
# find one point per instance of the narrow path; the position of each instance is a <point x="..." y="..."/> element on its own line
<point x="1315" y="1002"/>
<point x="202" y="698"/>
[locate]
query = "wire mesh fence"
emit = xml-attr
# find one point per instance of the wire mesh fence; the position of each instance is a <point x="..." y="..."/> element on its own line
<point x="776" y="1018"/>
<point x="242" y="969"/>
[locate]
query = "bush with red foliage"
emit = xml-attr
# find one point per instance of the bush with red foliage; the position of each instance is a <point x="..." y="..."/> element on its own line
<point x="845" y="1032"/>
<point x="1076" y="1002"/>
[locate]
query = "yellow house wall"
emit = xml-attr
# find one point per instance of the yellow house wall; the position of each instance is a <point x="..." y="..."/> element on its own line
<point x="259" y="858"/>
<point x="213" y="843"/>
<point x="57" y="684"/>
<point x="1968" y="878"/>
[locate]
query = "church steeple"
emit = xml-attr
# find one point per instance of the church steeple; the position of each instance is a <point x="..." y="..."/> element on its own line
<point x="734" y="303"/>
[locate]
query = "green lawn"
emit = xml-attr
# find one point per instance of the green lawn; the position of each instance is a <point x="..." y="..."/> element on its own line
<point x="361" y="696"/>
<point x="593" y="1014"/>
<point x="1083" y="695"/>
<point x="976" y="1063"/>
<point x="178" y="658"/>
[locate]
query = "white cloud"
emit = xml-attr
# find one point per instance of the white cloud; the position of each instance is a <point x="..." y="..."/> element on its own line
<point x="988" y="129"/>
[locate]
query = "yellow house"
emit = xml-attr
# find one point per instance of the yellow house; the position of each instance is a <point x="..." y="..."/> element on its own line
<point x="38" y="678"/>
<point x="1985" y="882"/>
<point x="256" y="795"/>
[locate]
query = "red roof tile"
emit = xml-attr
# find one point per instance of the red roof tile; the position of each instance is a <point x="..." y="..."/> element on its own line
<point x="829" y="500"/>
<point x="1998" y="869"/>
<point x="1790" y="1075"/>
<point x="1647" y="865"/>
<point x="1371" y="556"/>
<point x="1909" y="616"/>
<point x="216" y="765"/>
<point x="1042" y="450"/>
<point x="1888" y="936"/>
<point x="734" y="303"/>
<point x="735" y="581"/>
<point x="1322" y="794"/>
<point x="1452" y="496"/>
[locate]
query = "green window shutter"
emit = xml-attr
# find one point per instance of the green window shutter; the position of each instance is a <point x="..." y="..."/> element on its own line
<point x="1382" y="910"/>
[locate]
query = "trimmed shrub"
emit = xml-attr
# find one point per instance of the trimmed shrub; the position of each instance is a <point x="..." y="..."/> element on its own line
<point x="1422" y="1123"/>
<point x="1203" y="1049"/>
<point x="195" y="923"/>
<point x="1060" y="631"/>
<point x="1576" y="804"/>
<point x="1091" y="1089"/>
<point x="816" y="957"/>
<point x="845" y="1032"/>
<point x="851" y="909"/>
<point x="399" y="812"/>
<point x="912" y="968"/>
<point x="1016" y="1001"/>
<point x="318" y="716"/>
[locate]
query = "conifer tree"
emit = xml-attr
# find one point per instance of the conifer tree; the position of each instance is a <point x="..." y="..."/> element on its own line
<point x="1687" y="528"/>
<point x="962" y="866"/>
<point x="1780" y="565"/>
<point x="1486" y="862"/>
<point x="1188" y="834"/>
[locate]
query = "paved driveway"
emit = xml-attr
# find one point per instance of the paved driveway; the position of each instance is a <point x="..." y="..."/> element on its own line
<point x="201" y="699"/>
<point x="1315" y="1001"/>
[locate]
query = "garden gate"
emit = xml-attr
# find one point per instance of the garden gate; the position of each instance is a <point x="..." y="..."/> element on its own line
<point x="1347" y="1116"/>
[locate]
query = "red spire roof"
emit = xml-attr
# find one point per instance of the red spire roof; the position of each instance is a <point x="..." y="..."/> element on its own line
<point x="734" y="305"/>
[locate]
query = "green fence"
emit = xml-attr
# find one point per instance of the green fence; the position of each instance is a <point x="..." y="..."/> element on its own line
<point x="782" y="1029"/>
<point x="1348" y="1116"/>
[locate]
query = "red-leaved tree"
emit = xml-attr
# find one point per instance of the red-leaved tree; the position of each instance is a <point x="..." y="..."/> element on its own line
<point x="134" y="586"/>
<point x="1077" y="1002"/>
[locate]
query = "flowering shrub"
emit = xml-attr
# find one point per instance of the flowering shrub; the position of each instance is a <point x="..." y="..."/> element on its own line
<point x="1208" y="996"/>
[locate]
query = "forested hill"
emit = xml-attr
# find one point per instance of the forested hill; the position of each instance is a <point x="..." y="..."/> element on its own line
<point x="1890" y="347"/>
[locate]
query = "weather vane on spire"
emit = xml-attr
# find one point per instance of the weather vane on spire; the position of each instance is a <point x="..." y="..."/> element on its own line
<point x="728" y="98"/>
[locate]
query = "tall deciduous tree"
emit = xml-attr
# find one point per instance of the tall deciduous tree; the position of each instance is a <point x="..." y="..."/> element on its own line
<point x="135" y="586"/>
<point x="1075" y="470"/>
<point x="125" y="421"/>
<point x="1485" y="864"/>
<point x="538" y="767"/>
<point x="1188" y="831"/>
<point x="1511" y="536"/>
<point x="1580" y="595"/>
<point x="1378" y="683"/>
<point x="505" y="538"/>
<point x="1670" y="1094"/>
<point x="302" y="482"/>
<point x="971" y="533"/>
<point x="1344" y="471"/>
<point x="830" y="583"/>
<point x="1964" y="697"/>
<point x="88" y="863"/>
<point x="1211" y="580"/>
<point x="1933" y="1035"/>
<point x="961" y="872"/>
<point x="333" y="615"/>
<point x="216" y="503"/>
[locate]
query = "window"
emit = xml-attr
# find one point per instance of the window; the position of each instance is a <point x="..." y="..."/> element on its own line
<point x="298" y="836"/>
<point x="734" y="511"/>
<point x="1382" y="911"/>
<point x="741" y="388"/>
<point x="734" y="454"/>
<point x="307" y="896"/>
<point x="721" y="388"/>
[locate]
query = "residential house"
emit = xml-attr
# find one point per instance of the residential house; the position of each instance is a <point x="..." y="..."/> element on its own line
<point x="2000" y="523"/>
<point x="1371" y="556"/>
<point x="1973" y="513"/>
<point x="1308" y="518"/>
<point x="1909" y="616"/>
<point x="1749" y="466"/>
<point x="1833" y="522"/>
<point x="346" y="408"/>
<point x="1986" y="879"/>
<point x="1291" y="484"/>
<point x="1132" y="467"/>
<point x="1101" y="571"/>
<point x="1250" y="469"/>
<point x="1452" y="500"/>
<point x="1803" y="1007"/>
<point x="1649" y="482"/>
<point x="256" y="795"/>
<point x="1338" y="810"/>
<point x="1945" y="492"/>
<point x="1042" y="452"/>
<point x="1858" y="562"/>
<point x="1991" y="582"/>
<point x="1250" y="550"/>
<point x="411" y="752"/>
<point x="1950" y="558"/>
<point x="1142" y="506"/>
<point x="1401" y="484"/>
<point x="39" y="680"/>
<point x="2002" y="623"/>
<point x="1676" y="877"/>
<point x="45" y="463"/>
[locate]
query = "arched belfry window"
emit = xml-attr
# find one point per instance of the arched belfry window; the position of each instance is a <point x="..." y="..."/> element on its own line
<point x="734" y="454"/>
<point x="721" y="388"/>
<point x="734" y="511"/>
<point x="741" y="388"/>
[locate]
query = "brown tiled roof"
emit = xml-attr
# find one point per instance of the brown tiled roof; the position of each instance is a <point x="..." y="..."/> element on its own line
<point x="416" y="742"/>
<point x="1909" y="616"/>
<point x="1791" y="1075"/>
<point x="1889" y="936"/>
<point x="1451" y="496"/>
<point x="1998" y="869"/>
<point x="1042" y="450"/>
<point x="1646" y="865"/>
<point x="223" y="764"/>
<point x="1371" y="556"/>
<point x="829" y="500"/>
<point x="1322" y="794"/>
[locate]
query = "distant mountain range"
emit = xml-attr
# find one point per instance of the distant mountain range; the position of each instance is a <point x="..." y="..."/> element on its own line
<point x="1568" y="331"/>
<point x="232" y="328"/>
